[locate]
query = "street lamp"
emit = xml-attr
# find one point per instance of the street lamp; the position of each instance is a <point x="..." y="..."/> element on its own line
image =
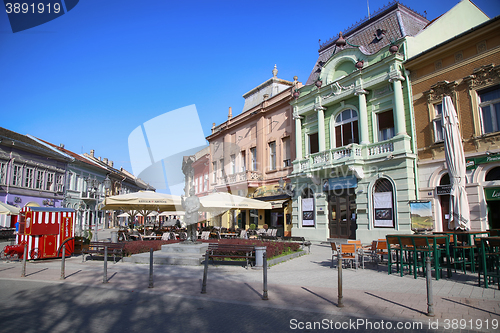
<point x="93" y="188"/>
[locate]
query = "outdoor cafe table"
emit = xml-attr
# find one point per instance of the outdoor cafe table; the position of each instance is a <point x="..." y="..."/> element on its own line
<point x="434" y="241"/>
<point x="469" y="239"/>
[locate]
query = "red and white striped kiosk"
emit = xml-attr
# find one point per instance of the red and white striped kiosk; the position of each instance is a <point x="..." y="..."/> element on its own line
<point x="45" y="229"/>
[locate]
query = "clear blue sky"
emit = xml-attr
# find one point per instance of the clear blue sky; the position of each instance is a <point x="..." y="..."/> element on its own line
<point x="89" y="77"/>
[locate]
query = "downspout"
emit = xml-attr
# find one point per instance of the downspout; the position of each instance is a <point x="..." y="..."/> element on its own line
<point x="412" y="122"/>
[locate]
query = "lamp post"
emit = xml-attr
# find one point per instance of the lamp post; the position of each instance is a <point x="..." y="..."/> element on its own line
<point x="93" y="188"/>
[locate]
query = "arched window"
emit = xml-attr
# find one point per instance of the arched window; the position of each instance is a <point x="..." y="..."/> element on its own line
<point x="346" y="128"/>
<point x="307" y="207"/>
<point x="445" y="179"/>
<point x="493" y="174"/>
<point x="383" y="204"/>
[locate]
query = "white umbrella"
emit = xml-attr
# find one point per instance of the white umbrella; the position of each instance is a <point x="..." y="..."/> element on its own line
<point x="143" y="201"/>
<point x="225" y="201"/>
<point x="455" y="160"/>
<point x="7" y="209"/>
<point x="124" y="215"/>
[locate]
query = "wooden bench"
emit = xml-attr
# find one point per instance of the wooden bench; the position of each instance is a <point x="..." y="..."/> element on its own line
<point x="97" y="248"/>
<point x="301" y="240"/>
<point x="234" y="251"/>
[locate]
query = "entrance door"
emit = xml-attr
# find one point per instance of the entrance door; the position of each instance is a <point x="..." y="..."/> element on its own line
<point x="445" y="211"/>
<point x="342" y="215"/>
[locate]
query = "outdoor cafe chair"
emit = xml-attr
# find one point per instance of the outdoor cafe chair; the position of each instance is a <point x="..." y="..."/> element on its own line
<point x="335" y="251"/>
<point x="349" y="253"/>
<point x="489" y="260"/>
<point x="394" y="253"/>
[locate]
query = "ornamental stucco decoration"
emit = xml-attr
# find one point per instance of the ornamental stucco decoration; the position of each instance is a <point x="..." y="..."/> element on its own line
<point x="440" y="89"/>
<point x="484" y="75"/>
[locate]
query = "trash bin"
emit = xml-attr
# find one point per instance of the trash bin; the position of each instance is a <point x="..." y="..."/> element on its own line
<point x="259" y="251"/>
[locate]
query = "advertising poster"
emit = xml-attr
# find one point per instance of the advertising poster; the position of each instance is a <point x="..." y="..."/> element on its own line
<point x="382" y="202"/>
<point x="308" y="212"/>
<point x="421" y="215"/>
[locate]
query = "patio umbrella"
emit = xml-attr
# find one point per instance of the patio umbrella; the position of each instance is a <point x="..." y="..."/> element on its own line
<point x="220" y="201"/>
<point x="143" y="202"/>
<point x="7" y="209"/>
<point x="455" y="160"/>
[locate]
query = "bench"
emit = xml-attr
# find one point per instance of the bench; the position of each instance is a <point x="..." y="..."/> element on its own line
<point x="234" y="251"/>
<point x="97" y="248"/>
<point x="301" y="240"/>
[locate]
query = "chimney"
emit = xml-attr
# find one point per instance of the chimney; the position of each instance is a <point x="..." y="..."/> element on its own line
<point x="230" y="114"/>
<point x="61" y="145"/>
<point x="110" y="163"/>
<point x="105" y="160"/>
<point x="92" y="152"/>
<point x="99" y="158"/>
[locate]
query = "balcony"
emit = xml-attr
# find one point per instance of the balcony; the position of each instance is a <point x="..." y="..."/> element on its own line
<point x="238" y="178"/>
<point x="353" y="153"/>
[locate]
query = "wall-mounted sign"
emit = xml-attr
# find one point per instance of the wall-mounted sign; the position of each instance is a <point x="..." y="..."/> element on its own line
<point x="382" y="203"/>
<point x="473" y="162"/>
<point x="492" y="193"/>
<point x="443" y="189"/>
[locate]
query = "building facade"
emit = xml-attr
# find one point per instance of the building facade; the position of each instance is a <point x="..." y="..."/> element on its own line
<point x="30" y="173"/>
<point x="355" y="172"/>
<point x="251" y="154"/>
<point x="466" y="68"/>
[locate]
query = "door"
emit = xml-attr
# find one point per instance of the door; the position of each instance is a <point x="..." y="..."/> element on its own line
<point x="342" y="215"/>
<point x="49" y="246"/>
<point x="445" y="211"/>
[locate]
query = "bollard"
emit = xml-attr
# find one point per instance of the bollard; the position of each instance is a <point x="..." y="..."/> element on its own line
<point x="264" y="265"/>
<point x="340" y="302"/>
<point x="63" y="275"/>
<point x="105" y="275"/>
<point x="25" y="254"/>
<point x="430" y="301"/>
<point x="151" y="268"/>
<point x="205" y="273"/>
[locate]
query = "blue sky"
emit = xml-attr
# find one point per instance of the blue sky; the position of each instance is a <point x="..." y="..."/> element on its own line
<point x="89" y="77"/>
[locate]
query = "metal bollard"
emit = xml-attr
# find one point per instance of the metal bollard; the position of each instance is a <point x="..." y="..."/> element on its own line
<point x="340" y="302"/>
<point x="205" y="273"/>
<point x="264" y="264"/>
<point x="23" y="272"/>
<point x="151" y="268"/>
<point x="430" y="301"/>
<point x="105" y="275"/>
<point x="63" y="275"/>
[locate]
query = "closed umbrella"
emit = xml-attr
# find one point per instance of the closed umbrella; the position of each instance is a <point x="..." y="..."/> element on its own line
<point x="455" y="160"/>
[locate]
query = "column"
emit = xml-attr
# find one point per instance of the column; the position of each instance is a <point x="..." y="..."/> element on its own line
<point x="399" y="107"/>
<point x="298" y="136"/>
<point x="321" y="128"/>
<point x="363" y="117"/>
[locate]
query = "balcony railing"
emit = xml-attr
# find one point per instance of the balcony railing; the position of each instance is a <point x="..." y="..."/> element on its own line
<point x="239" y="177"/>
<point x="340" y="155"/>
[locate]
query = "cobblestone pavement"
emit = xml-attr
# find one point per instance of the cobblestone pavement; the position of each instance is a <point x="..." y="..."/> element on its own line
<point x="303" y="289"/>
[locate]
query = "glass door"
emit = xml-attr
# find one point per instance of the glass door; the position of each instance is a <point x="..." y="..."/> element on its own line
<point x="342" y="215"/>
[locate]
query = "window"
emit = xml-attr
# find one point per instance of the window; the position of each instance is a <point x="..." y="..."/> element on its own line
<point x="28" y="178"/>
<point x="222" y="167"/>
<point x="39" y="179"/>
<point x="205" y="184"/>
<point x="253" y="156"/>
<point x="438" y="122"/>
<point x="493" y="174"/>
<point x="243" y="161"/>
<point x="196" y="191"/>
<point x="489" y="104"/>
<point x="383" y="204"/>
<point x="346" y="128"/>
<point x="233" y="164"/>
<point x="313" y="143"/>
<point x="214" y="172"/>
<point x="285" y="143"/>
<point x="3" y="169"/>
<point x="60" y="183"/>
<point x="50" y="181"/>
<point x="385" y="125"/>
<point x="272" y="155"/>
<point x="16" y="175"/>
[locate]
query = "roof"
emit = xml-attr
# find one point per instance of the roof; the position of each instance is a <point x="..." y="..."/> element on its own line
<point x="390" y="23"/>
<point x="26" y="143"/>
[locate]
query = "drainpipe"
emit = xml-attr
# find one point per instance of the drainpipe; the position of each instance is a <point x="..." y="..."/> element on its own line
<point x="412" y="121"/>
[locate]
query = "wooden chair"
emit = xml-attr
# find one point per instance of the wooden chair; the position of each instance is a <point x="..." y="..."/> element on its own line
<point x="394" y="251"/>
<point x="361" y="250"/>
<point x="335" y="251"/>
<point x="349" y="253"/>
<point x="489" y="261"/>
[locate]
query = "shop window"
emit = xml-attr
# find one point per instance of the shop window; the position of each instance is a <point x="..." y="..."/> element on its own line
<point x="346" y="128"/>
<point x="383" y="204"/>
<point x="493" y="174"/>
<point x="313" y="143"/>
<point x="385" y="125"/>
<point x="489" y="105"/>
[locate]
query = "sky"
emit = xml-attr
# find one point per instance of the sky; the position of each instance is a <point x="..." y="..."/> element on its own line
<point x="90" y="77"/>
